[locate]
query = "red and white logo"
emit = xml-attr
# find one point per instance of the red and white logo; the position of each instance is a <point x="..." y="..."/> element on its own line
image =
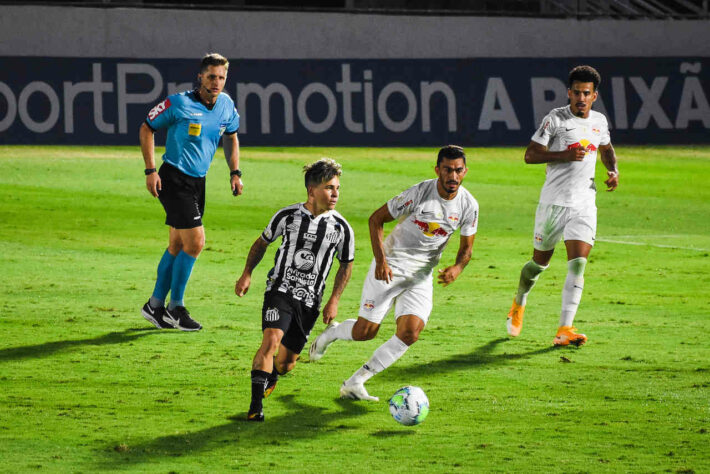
<point x="158" y="109"/>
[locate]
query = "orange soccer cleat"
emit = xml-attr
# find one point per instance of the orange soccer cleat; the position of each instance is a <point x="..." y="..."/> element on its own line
<point x="515" y="319"/>
<point x="567" y="335"/>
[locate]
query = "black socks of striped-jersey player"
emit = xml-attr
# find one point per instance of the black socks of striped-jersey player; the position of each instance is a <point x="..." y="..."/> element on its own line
<point x="259" y="378"/>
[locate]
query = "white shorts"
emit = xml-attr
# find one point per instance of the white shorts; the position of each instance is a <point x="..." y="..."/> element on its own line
<point x="410" y="295"/>
<point x="553" y="223"/>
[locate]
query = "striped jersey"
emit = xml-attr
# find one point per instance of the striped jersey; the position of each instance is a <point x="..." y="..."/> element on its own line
<point x="303" y="260"/>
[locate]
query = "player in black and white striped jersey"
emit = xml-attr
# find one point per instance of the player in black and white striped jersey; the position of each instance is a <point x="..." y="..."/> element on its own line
<point x="312" y="234"/>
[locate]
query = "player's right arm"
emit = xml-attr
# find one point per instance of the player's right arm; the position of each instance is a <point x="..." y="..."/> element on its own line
<point x="377" y="232"/>
<point x="256" y="253"/>
<point x="147" y="140"/>
<point x="537" y="153"/>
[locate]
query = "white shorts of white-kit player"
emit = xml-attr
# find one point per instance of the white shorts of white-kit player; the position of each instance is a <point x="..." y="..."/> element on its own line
<point x="553" y="223"/>
<point x="410" y="295"/>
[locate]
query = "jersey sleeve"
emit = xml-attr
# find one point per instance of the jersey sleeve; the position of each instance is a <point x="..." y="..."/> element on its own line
<point x="469" y="226"/>
<point x="548" y="127"/>
<point x="346" y="247"/>
<point x="232" y="122"/>
<point x="162" y="115"/>
<point x="403" y="204"/>
<point x="276" y="226"/>
<point x="605" y="135"/>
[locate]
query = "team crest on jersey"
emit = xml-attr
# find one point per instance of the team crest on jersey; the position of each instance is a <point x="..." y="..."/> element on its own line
<point x="332" y="236"/>
<point x="158" y="109"/>
<point x="454" y="218"/>
<point x="304" y="260"/>
<point x="596" y="131"/>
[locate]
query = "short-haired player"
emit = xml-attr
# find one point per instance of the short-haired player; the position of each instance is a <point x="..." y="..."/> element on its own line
<point x="568" y="141"/>
<point x="312" y="234"/>
<point x="400" y="275"/>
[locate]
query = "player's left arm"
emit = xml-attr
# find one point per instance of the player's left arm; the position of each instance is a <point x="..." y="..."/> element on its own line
<point x="449" y="274"/>
<point x="230" y="142"/>
<point x="330" y="310"/>
<point x="608" y="156"/>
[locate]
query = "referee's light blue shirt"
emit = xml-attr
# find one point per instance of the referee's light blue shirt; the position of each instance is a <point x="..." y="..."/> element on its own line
<point x="193" y="129"/>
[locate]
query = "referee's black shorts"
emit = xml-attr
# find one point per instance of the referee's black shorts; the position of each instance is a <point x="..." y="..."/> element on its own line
<point x="182" y="197"/>
<point x="294" y="318"/>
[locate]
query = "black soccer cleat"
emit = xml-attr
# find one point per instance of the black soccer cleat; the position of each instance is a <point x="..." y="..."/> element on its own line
<point x="155" y="316"/>
<point x="179" y="318"/>
<point x="255" y="416"/>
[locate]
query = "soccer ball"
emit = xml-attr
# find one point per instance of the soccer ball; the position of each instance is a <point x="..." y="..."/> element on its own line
<point x="409" y="405"/>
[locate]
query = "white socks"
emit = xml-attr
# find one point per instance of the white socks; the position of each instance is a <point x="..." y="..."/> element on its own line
<point x="528" y="277"/>
<point x="384" y="356"/>
<point x="572" y="291"/>
<point x="342" y="331"/>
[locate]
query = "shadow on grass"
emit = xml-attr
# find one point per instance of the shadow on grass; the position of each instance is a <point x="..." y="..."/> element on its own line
<point x="47" y="349"/>
<point x="300" y="422"/>
<point x="481" y="356"/>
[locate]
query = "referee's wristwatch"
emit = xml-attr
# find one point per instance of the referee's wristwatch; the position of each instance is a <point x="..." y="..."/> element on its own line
<point x="236" y="172"/>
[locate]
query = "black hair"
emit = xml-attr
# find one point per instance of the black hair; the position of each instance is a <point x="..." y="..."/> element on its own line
<point x="584" y="74"/>
<point x="450" y="152"/>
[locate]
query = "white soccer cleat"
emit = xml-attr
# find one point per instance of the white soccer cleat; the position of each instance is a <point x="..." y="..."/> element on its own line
<point x="318" y="347"/>
<point x="356" y="392"/>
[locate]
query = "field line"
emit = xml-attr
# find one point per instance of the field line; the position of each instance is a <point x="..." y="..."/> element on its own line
<point x="625" y="242"/>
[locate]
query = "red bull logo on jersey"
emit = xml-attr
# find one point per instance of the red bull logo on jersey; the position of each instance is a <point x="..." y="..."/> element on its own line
<point x="430" y="229"/>
<point x="584" y="144"/>
<point x="454" y="218"/>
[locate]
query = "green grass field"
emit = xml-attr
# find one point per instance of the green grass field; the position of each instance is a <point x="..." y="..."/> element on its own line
<point x="86" y="384"/>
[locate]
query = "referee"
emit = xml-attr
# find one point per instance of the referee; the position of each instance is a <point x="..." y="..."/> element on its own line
<point x="195" y="120"/>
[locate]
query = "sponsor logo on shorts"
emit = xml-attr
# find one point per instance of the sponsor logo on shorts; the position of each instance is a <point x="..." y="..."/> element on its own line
<point x="272" y="314"/>
<point x="304" y="259"/>
<point x="368" y="305"/>
<point x="538" y="238"/>
<point x="158" y="109"/>
<point x="430" y="229"/>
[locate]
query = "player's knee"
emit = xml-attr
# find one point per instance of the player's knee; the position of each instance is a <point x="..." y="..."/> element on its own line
<point x="408" y="336"/>
<point x="576" y="266"/>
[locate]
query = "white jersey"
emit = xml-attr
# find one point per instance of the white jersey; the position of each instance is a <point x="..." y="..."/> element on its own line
<point x="426" y="222"/>
<point x="571" y="184"/>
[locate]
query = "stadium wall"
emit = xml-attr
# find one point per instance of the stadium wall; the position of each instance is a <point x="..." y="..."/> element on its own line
<point x="89" y="76"/>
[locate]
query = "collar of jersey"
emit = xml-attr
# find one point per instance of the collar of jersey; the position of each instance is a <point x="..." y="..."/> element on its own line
<point x="195" y="95"/>
<point x="305" y="210"/>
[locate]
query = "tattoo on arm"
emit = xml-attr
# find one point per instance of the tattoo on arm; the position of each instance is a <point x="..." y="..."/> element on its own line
<point x="256" y="253"/>
<point x="609" y="157"/>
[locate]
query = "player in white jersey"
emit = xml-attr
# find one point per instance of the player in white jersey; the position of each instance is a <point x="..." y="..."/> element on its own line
<point x="568" y="141"/>
<point x="401" y="272"/>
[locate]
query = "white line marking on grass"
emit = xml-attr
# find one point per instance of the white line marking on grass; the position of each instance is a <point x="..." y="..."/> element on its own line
<point x="652" y="245"/>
